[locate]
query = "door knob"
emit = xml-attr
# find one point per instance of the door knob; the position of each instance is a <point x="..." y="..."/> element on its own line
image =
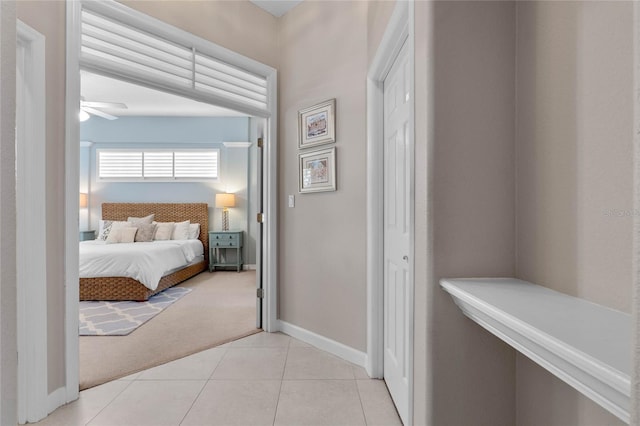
<point x="405" y="258"/>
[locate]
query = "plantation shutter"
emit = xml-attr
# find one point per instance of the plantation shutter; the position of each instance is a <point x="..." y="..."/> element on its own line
<point x="123" y="43"/>
<point x="158" y="164"/>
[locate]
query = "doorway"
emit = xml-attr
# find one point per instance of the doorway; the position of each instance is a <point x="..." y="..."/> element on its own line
<point x="390" y="210"/>
<point x="265" y="108"/>
<point x="215" y="306"/>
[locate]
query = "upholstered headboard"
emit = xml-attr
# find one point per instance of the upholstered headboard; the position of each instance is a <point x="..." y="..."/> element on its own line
<point x="164" y="212"/>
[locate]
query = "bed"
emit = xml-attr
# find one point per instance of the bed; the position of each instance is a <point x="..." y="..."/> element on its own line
<point x="125" y="288"/>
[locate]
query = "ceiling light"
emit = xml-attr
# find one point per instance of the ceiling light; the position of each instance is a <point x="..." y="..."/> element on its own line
<point x="84" y="115"/>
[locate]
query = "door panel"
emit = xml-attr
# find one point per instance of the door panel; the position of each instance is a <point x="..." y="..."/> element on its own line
<point x="397" y="239"/>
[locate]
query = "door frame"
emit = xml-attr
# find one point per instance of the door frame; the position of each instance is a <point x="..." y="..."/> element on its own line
<point x="31" y="227"/>
<point x="72" y="148"/>
<point x="399" y="31"/>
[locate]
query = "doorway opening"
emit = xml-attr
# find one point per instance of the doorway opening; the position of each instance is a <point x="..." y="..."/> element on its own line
<point x="204" y="54"/>
<point x="217" y="305"/>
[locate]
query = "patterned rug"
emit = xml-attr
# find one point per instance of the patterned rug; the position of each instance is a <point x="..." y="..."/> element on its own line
<point x="121" y="318"/>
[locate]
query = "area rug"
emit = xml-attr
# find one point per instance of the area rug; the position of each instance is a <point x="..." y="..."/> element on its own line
<point x="121" y="318"/>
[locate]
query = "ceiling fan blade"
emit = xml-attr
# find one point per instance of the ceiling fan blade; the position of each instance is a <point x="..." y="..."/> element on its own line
<point x="99" y="113"/>
<point x="104" y="105"/>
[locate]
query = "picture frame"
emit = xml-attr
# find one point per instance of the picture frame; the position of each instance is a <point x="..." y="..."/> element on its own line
<point x="317" y="170"/>
<point x="317" y="124"/>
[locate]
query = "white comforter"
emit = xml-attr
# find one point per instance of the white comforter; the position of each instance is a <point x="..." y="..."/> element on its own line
<point x="145" y="262"/>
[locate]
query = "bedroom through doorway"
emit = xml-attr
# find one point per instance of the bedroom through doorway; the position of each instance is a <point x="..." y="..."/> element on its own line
<point x="140" y="145"/>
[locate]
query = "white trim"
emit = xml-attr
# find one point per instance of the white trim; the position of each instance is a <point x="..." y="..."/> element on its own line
<point x="270" y="261"/>
<point x="237" y="144"/>
<point x="338" y="349"/>
<point x="399" y="30"/>
<point x="86" y="144"/>
<point x="56" y="399"/>
<point x="31" y="227"/>
<point x="270" y="210"/>
<point x="71" y="211"/>
<point x="251" y="267"/>
<point x="530" y="318"/>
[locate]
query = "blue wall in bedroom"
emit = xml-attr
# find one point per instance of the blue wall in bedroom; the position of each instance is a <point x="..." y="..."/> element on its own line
<point x="236" y="165"/>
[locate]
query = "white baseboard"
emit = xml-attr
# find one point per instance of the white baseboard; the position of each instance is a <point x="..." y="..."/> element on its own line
<point x="56" y="399"/>
<point x="246" y="267"/>
<point x="336" y="348"/>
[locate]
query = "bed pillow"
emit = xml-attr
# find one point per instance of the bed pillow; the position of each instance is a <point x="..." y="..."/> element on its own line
<point x="181" y="231"/>
<point x="122" y="235"/>
<point x="145" y="233"/>
<point x="106" y="226"/>
<point x="194" y="231"/>
<point x="136" y="221"/>
<point x="164" y="231"/>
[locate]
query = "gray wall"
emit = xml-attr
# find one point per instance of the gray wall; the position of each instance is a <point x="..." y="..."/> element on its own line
<point x="322" y="241"/>
<point x="575" y="174"/>
<point x="8" y="277"/>
<point x="473" y="205"/>
<point x="173" y="132"/>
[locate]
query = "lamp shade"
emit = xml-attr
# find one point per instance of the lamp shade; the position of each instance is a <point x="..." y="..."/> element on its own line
<point x="225" y="200"/>
<point x="84" y="200"/>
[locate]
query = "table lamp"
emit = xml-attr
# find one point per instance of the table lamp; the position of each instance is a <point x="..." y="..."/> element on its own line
<point x="84" y="200"/>
<point x="224" y="201"/>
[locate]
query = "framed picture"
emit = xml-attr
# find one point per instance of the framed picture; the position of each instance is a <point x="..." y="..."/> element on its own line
<point x="317" y="124"/>
<point x="317" y="170"/>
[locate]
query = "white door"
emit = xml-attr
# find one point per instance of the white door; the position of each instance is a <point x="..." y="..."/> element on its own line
<point x="398" y="272"/>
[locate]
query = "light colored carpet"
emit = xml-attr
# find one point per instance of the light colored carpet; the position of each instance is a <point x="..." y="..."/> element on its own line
<point x="221" y="308"/>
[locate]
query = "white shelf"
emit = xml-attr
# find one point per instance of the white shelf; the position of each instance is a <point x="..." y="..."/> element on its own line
<point x="585" y="344"/>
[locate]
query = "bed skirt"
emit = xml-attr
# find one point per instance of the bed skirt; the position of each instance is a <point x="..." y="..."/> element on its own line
<point x="123" y="288"/>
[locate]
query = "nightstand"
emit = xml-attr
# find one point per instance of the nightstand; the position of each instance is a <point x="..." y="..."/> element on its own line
<point x="219" y="244"/>
<point x="87" y="235"/>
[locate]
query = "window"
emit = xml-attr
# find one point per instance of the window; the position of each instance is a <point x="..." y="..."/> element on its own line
<point x="157" y="165"/>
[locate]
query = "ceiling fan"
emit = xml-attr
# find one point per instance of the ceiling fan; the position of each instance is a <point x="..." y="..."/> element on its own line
<point x="87" y="109"/>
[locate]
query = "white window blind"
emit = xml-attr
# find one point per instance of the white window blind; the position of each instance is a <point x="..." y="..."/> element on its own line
<point x="157" y="165"/>
<point x="120" y="164"/>
<point x="191" y="164"/>
<point x="134" y="50"/>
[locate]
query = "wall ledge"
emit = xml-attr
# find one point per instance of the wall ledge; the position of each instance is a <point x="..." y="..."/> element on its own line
<point x="584" y="344"/>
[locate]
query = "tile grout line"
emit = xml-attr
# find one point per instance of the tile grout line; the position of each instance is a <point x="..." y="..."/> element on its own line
<point x="226" y="351"/>
<point x="204" y="385"/>
<point x="355" y="382"/>
<point x="109" y="403"/>
<point x="286" y="358"/>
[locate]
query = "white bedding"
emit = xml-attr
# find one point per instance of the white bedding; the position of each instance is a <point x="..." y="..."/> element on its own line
<point x="145" y="262"/>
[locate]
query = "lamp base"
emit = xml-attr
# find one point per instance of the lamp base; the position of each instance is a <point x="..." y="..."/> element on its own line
<point x="225" y="220"/>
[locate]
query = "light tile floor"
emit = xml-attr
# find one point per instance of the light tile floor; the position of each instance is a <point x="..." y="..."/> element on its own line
<point x="263" y="379"/>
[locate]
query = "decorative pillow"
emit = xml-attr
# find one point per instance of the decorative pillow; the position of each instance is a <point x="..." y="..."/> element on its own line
<point x="145" y="233"/>
<point x="181" y="231"/>
<point x="106" y="226"/>
<point x="164" y="231"/>
<point x="104" y="229"/>
<point x="136" y="221"/>
<point x="194" y="231"/>
<point x="121" y="235"/>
